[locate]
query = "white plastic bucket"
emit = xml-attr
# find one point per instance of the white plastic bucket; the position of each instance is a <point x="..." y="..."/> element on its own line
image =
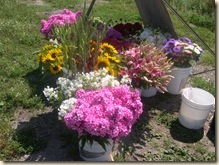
<point x="177" y="83"/>
<point x="152" y="91"/>
<point x="195" y="107"/>
<point x="95" y="152"/>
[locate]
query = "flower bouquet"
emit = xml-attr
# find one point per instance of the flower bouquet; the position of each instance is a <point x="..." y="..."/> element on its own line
<point x="107" y="113"/>
<point x="183" y="52"/>
<point x="97" y="106"/>
<point x="147" y="66"/>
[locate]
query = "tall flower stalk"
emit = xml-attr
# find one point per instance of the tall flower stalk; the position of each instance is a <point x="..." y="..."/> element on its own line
<point x="76" y="42"/>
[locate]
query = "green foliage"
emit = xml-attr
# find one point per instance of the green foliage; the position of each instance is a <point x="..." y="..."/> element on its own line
<point x="175" y="153"/>
<point x="200" y="82"/>
<point x="208" y="59"/>
<point x="68" y="4"/>
<point x="165" y="118"/>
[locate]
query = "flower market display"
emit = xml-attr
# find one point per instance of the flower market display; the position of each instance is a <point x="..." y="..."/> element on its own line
<point x="98" y="65"/>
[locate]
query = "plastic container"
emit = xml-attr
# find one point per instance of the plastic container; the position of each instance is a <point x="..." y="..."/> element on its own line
<point x="177" y="83"/>
<point x="195" y="107"/>
<point x="95" y="152"/>
<point x="152" y="91"/>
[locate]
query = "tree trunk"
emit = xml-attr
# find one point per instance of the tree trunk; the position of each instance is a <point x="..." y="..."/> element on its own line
<point x="155" y="14"/>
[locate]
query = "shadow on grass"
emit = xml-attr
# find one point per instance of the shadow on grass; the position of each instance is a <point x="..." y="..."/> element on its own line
<point x="38" y="82"/>
<point x="182" y="134"/>
<point x="136" y="139"/>
<point x="45" y="138"/>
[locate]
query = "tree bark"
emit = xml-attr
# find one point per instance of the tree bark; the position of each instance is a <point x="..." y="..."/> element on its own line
<point x="155" y="14"/>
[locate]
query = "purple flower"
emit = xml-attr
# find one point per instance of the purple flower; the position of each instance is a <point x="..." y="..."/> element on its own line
<point x="182" y="51"/>
<point x="185" y="39"/>
<point x="112" y="33"/>
<point x="177" y="49"/>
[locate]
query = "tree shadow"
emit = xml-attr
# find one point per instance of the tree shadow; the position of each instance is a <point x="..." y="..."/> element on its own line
<point x="45" y="138"/>
<point x="183" y="134"/>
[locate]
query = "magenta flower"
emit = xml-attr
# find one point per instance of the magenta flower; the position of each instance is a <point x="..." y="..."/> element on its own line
<point x="147" y="66"/>
<point x="66" y="17"/>
<point x="106" y="113"/>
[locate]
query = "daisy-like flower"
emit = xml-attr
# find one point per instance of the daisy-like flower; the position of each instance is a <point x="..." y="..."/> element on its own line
<point x="53" y="54"/>
<point x="105" y="47"/>
<point x="102" y="62"/>
<point x="55" y="69"/>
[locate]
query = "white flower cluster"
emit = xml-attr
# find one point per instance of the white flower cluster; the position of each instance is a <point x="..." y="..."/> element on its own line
<point x="126" y="80"/>
<point x="154" y="37"/>
<point x="195" y="48"/>
<point x="92" y="80"/>
<point x="65" y="107"/>
<point x="50" y="93"/>
<point x="96" y="79"/>
<point x="87" y="81"/>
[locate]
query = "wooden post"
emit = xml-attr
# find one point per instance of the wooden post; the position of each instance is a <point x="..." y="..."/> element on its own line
<point x="155" y="14"/>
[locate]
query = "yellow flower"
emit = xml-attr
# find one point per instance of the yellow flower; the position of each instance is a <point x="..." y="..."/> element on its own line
<point x="107" y="48"/>
<point x="102" y="62"/>
<point x="112" y="58"/>
<point x="60" y="60"/>
<point x="55" y="69"/>
<point x="111" y="71"/>
<point x="53" y="54"/>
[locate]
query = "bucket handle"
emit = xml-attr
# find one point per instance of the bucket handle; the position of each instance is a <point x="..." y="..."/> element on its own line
<point x="189" y="92"/>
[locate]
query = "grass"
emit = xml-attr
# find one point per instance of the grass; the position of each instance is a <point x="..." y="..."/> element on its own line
<point x="21" y="83"/>
<point x="200" y="82"/>
<point x="196" y="19"/>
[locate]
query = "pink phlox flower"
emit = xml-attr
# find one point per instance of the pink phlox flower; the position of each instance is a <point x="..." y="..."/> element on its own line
<point x="107" y="112"/>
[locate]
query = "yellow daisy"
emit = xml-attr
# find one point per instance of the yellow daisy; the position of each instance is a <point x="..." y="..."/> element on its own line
<point x="112" y="58"/>
<point x="53" y="54"/>
<point x="55" y="69"/>
<point x="102" y="62"/>
<point x="108" y="49"/>
<point x="48" y="47"/>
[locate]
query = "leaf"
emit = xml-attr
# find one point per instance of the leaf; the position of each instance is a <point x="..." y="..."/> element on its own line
<point x="102" y="145"/>
<point x="83" y="141"/>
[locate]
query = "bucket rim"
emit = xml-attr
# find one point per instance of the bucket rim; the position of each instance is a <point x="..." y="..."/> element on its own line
<point x="198" y="89"/>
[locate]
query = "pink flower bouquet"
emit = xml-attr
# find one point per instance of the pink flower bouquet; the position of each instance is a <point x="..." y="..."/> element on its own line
<point x="147" y="66"/>
<point x="66" y="17"/>
<point x="104" y="113"/>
